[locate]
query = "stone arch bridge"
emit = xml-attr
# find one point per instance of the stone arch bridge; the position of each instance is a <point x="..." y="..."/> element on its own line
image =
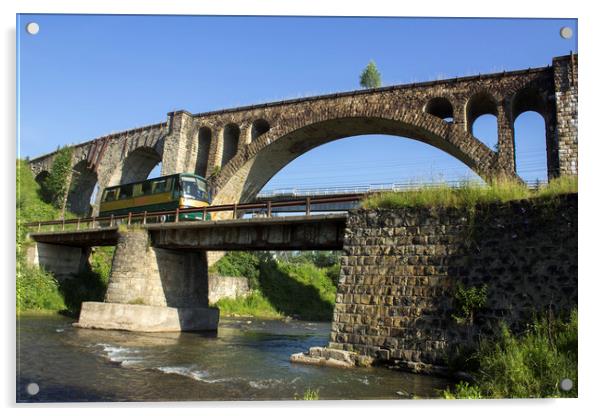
<point x="240" y="149"/>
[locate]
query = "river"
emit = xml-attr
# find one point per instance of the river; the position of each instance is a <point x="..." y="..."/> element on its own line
<point x="248" y="359"/>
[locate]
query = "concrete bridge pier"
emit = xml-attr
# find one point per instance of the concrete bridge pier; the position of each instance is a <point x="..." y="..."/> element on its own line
<point x="62" y="261"/>
<point x="153" y="290"/>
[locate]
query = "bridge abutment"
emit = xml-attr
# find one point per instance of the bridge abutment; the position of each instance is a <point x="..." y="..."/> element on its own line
<point x="397" y="294"/>
<point x="63" y="261"/>
<point x="403" y="273"/>
<point x="153" y="289"/>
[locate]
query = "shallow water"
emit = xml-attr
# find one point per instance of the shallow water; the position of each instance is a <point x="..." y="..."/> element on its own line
<point x="247" y="359"/>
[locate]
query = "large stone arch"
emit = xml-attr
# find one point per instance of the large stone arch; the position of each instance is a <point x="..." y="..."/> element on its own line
<point x="244" y="176"/>
<point x="83" y="182"/>
<point x="136" y="166"/>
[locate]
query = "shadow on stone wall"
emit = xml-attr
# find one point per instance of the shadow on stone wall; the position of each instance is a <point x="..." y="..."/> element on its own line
<point x="401" y="268"/>
<point x="184" y="277"/>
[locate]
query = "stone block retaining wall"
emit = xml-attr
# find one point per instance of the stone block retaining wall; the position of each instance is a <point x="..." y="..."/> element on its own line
<point x="400" y="269"/>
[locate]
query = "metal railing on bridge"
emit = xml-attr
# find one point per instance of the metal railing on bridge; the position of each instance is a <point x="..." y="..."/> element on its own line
<point x="173" y="216"/>
<point x="371" y="188"/>
<point x="258" y="208"/>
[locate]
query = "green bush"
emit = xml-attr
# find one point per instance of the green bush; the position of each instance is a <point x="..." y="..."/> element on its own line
<point x="530" y="365"/>
<point x="101" y="260"/>
<point x="240" y="264"/>
<point x="290" y="285"/>
<point x="298" y="289"/>
<point x="320" y="259"/>
<point x="37" y="290"/>
<point x="333" y="273"/>
<point x="54" y="186"/>
<point x="29" y="206"/>
<point x="467" y="301"/>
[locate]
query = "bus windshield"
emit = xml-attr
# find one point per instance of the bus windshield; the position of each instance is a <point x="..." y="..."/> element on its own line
<point x="194" y="188"/>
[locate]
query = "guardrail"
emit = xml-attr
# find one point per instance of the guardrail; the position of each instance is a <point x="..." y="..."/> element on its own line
<point x="366" y="189"/>
<point x="157" y="217"/>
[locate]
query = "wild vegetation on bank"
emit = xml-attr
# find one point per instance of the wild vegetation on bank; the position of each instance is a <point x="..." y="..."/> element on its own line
<point x="299" y="285"/>
<point x="470" y="194"/>
<point x="37" y="289"/>
<point x="527" y="365"/>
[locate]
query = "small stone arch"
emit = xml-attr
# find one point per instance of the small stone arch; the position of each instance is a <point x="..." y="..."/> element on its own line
<point x="83" y="182"/>
<point x="204" y="146"/>
<point x="480" y="104"/>
<point x="527" y="164"/>
<point x="528" y="99"/>
<point x="41" y="177"/>
<point x="440" y="107"/>
<point x="231" y="136"/>
<point x="258" y="128"/>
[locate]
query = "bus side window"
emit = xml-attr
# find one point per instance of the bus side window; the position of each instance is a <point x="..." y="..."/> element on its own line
<point x="126" y="192"/>
<point x="109" y="195"/>
<point x="137" y="190"/>
<point x="147" y="188"/>
<point x="159" y="187"/>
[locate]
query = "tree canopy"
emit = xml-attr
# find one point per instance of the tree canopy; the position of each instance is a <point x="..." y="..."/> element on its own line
<point x="370" y="77"/>
<point x="54" y="186"/>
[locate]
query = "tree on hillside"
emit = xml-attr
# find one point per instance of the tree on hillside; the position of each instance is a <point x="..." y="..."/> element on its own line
<point x="370" y="77"/>
<point x="54" y="187"/>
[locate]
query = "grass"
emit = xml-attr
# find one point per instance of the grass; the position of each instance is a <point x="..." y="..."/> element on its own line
<point x="469" y="194"/>
<point x="255" y="304"/>
<point x="311" y="394"/>
<point x="529" y="365"/>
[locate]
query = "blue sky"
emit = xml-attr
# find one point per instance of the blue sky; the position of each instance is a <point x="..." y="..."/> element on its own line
<point x="84" y="76"/>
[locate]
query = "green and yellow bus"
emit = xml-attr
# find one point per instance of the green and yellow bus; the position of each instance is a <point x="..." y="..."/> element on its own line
<point x="166" y="193"/>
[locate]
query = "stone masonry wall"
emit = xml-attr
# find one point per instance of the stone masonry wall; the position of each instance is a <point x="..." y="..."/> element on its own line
<point x="221" y="287"/>
<point x="566" y="94"/>
<point x="154" y="276"/>
<point x="400" y="269"/>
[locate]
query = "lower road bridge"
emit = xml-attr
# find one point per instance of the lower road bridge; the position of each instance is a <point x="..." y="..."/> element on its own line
<point x="159" y="277"/>
<point x="315" y="232"/>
